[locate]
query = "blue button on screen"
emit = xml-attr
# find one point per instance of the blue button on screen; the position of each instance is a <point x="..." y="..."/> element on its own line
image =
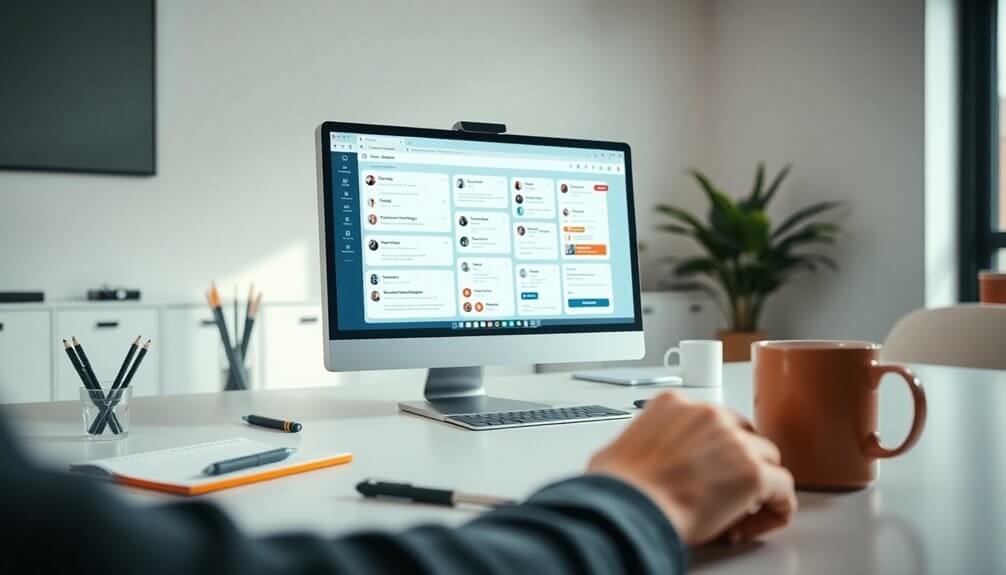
<point x="597" y="302"/>
<point x="528" y="295"/>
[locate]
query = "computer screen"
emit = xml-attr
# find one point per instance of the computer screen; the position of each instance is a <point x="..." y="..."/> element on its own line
<point x="437" y="233"/>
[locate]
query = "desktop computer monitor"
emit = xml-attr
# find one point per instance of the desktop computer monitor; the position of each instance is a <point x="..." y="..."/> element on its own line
<point x="451" y="250"/>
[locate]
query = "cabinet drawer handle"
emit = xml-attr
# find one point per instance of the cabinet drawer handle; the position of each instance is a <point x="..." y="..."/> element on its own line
<point x="106" y="324"/>
<point x="207" y="323"/>
<point x="309" y="319"/>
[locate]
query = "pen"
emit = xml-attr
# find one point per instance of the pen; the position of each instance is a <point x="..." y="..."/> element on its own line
<point x="640" y="403"/>
<point x="254" y="460"/>
<point x="374" y="488"/>
<point x="283" y="425"/>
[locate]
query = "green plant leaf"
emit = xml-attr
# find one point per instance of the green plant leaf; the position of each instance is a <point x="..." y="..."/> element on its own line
<point x="679" y="214"/>
<point x="676" y="229"/>
<point x="754" y="230"/>
<point x="723" y="213"/>
<point x="774" y="186"/>
<point x="715" y="243"/>
<point x="755" y="197"/>
<point x="802" y="214"/>
<point x="822" y="232"/>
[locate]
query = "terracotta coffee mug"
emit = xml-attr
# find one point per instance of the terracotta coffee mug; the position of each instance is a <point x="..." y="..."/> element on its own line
<point x="992" y="287"/>
<point x="817" y="400"/>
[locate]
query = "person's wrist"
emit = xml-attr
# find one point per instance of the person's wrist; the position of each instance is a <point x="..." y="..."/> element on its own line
<point x="672" y="510"/>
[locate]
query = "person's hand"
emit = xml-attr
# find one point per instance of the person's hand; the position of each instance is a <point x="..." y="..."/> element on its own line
<point x="704" y="467"/>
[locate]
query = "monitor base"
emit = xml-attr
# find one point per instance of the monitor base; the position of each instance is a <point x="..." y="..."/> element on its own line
<point x="441" y="409"/>
<point x="457" y="391"/>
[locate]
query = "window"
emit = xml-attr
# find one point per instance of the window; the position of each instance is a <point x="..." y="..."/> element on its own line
<point x="983" y="141"/>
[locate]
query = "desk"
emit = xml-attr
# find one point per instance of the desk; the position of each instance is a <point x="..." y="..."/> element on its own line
<point x="939" y="509"/>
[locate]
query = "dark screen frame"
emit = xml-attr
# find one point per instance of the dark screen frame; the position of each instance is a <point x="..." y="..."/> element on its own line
<point x="327" y="128"/>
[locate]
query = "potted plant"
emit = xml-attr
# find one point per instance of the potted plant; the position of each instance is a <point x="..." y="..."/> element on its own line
<point x="746" y="258"/>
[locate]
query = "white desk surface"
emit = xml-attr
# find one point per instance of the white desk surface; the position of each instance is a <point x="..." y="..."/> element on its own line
<point x="939" y="509"/>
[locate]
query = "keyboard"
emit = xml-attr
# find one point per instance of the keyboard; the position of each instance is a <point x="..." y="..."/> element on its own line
<point x="526" y="418"/>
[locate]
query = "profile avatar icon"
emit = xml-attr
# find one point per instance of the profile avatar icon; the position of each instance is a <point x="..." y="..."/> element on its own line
<point x="465" y="267"/>
<point x="521" y="230"/>
<point x="518" y="199"/>
<point x="372" y="244"/>
<point x="464" y="241"/>
<point x="522" y="273"/>
<point x="371" y="202"/>
<point x="370" y="179"/>
<point x="375" y="296"/>
<point x="520" y="210"/>
<point x="563" y="188"/>
<point x="462" y="221"/>
<point x="461" y="183"/>
<point x="372" y="219"/>
<point x="517" y="185"/>
<point x="467" y="306"/>
<point x="373" y="279"/>
<point x="479" y="307"/>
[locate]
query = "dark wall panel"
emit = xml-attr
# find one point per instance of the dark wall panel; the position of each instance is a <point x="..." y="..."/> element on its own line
<point x="77" y="85"/>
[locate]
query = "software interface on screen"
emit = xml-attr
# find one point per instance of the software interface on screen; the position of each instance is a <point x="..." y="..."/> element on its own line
<point x="467" y="235"/>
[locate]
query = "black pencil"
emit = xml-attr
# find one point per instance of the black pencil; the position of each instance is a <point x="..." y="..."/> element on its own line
<point x="71" y="352"/>
<point x="98" y="425"/>
<point x="85" y="362"/>
<point x="236" y="367"/>
<point x="125" y="384"/>
<point x="252" y="313"/>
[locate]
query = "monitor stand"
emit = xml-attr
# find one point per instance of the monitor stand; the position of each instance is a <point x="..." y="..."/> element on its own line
<point x="458" y="390"/>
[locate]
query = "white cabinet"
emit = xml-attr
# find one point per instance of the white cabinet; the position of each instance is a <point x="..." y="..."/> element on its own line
<point x="192" y="356"/>
<point x="292" y="347"/>
<point x="105" y="331"/>
<point x="25" y="361"/>
<point x="190" y="343"/>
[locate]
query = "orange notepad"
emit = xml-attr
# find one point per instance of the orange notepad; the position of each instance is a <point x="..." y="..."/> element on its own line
<point x="179" y="469"/>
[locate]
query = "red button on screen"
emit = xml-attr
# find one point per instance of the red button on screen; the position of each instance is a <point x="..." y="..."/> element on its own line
<point x="600" y="187"/>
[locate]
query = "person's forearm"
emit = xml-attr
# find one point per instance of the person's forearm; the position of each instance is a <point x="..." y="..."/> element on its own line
<point x="592" y="524"/>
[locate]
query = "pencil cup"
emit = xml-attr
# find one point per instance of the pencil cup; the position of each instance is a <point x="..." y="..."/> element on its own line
<point x="98" y="408"/>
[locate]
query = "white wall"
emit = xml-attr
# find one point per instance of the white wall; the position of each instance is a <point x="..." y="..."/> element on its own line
<point x="241" y="86"/>
<point x="836" y="89"/>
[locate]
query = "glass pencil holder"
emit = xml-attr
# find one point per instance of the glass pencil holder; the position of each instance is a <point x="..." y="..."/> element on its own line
<point x="105" y="412"/>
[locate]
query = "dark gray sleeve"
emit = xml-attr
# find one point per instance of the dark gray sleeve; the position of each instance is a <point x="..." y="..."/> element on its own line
<point x="55" y="523"/>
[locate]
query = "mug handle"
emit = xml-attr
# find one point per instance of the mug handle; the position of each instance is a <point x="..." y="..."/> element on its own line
<point x="873" y="445"/>
<point x="669" y="353"/>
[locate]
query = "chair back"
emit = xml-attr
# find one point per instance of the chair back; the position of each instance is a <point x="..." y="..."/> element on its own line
<point x="967" y="335"/>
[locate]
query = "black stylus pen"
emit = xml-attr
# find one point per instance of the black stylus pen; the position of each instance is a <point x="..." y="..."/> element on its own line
<point x="282" y="425"/>
<point x="406" y="491"/>
<point x="640" y="403"/>
<point x="254" y="460"/>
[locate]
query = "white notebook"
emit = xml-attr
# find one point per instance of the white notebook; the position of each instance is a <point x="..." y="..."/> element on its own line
<point x="180" y="469"/>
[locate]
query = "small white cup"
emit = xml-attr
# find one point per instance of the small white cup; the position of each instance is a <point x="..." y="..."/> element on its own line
<point x="701" y="362"/>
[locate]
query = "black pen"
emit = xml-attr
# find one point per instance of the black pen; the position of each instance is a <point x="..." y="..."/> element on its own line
<point x="640" y="403"/>
<point x="406" y="491"/>
<point x="246" y="461"/>
<point x="282" y="425"/>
